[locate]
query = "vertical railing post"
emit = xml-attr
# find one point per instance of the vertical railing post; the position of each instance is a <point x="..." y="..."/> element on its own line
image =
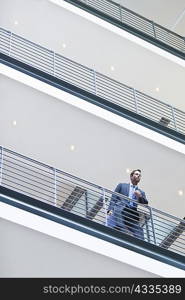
<point x="86" y="204"/>
<point x="95" y="85"/>
<point x="104" y="205"/>
<point x="53" y="63"/>
<point x="152" y="224"/>
<point x="153" y="26"/>
<point x="173" y="116"/>
<point x="135" y="99"/>
<point x="147" y="229"/>
<point x="55" y="187"/>
<point x="10" y="45"/>
<point x="120" y="12"/>
<point x="1" y="166"/>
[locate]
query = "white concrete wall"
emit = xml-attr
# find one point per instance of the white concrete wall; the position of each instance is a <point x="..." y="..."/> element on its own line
<point x="28" y="253"/>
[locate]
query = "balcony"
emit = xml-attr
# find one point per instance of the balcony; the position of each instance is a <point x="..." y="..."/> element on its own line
<point x="92" y="86"/>
<point x="76" y="203"/>
<point x="133" y="23"/>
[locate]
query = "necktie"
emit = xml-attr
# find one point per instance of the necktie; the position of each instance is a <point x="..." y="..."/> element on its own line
<point x="134" y="188"/>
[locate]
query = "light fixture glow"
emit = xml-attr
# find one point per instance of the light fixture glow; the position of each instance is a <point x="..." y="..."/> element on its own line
<point x="127" y="171"/>
<point x="180" y="193"/>
<point x="63" y="45"/>
<point x="112" y="68"/>
<point x="72" y="147"/>
<point x="16" y="22"/>
<point x="157" y="89"/>
<point x="14" y="123"/>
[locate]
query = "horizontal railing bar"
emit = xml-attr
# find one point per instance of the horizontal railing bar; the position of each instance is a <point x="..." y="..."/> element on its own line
<point x="106" y="86"/>
<point x="27" y="41"/>
<point x="60" y="188"/>
<point x="5" y="38"/>
<point x="102" y="76"/>
<point x="162" y="112"/>
<point x="161" y="217"/>
<point x="167" y="215"/>
<point x="23" y="172"/>
<point x="89" y="183"/>
<point x="73" y="62"/>
<point x="28" y="183"/>
<point x="152" y="101"/>
<point x="161" y="233"/>
<point x="169" y="31"/>
<point x="51" y="187"/>
<point x="143" y="18"/>
<point x="29" y="46"/>
<point x="34" y="65"/>
<point x="32" y="60"/>
<point x="28" y="55"/>
<point x="118" y="90"/>
<point x="124" y="97"/>
<point x="153" y="116"/>
<point x="27" y="192"/>
<point x="87" y="76"/>
<point x="111" y="96"/>
<point x="80" y="81"/>
<point x="137" y="24"/>
<point x="73" y="65"/>
<point x="34" y="161"/>
<point x="139" y="93"/>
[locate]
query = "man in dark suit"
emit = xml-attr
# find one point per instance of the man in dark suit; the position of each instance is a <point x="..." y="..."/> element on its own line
<point x="122" y="212"/>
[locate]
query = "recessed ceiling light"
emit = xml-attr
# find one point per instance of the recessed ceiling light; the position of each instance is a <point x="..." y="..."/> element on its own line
<point x="127" y="170"/>
<point x="157" y="89"/>
<point x="14" y="123"/>
<point x="16" y="22"/>
<point x="63" y="45"/>
<point x="180" y="193"/>
<point x="72" y="147"/>
<point x="112" y="68"/>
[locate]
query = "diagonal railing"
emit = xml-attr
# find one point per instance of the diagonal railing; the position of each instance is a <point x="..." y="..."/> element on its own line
<point x="90" y="201"/>
<point x="136" y="21"/>
<point x="91" y="81"/>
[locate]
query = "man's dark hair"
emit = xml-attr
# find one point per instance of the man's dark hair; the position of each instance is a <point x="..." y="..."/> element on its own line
<point x="132" y="173"/>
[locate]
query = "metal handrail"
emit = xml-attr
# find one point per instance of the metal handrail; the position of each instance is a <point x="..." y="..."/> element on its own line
<point x="89" y="80"/>
<point x="88" y="200"/>
<point x="144" y="25"/>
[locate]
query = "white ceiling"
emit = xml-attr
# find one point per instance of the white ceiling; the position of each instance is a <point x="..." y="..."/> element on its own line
<point x="108" y="147"/>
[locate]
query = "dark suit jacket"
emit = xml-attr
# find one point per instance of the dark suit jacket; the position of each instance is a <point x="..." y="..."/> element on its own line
<point x="118" y="205"/>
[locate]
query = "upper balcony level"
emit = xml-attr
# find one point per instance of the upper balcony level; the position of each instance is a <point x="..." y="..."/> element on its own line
<point x="88" y="84"/>
<point x="136" y="24"/>
<point x="75" y="37"/>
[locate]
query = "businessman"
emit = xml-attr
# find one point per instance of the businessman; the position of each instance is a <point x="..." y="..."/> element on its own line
<point x="122" y="213"/>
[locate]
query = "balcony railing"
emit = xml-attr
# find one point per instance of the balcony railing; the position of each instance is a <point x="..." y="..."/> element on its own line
<point x="90" y="201"/>
<point x="91" y="81"/>
<point x="136" y="21"/>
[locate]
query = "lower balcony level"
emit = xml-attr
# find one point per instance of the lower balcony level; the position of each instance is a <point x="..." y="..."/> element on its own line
<point x="69" y="208"/>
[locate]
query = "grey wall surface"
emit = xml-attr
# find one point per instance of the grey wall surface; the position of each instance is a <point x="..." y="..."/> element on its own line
<point x="27" y="253"/>
<point x="46" y="127"/>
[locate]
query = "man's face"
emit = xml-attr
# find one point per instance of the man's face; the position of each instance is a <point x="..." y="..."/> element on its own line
<point x="135" y="178"/>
